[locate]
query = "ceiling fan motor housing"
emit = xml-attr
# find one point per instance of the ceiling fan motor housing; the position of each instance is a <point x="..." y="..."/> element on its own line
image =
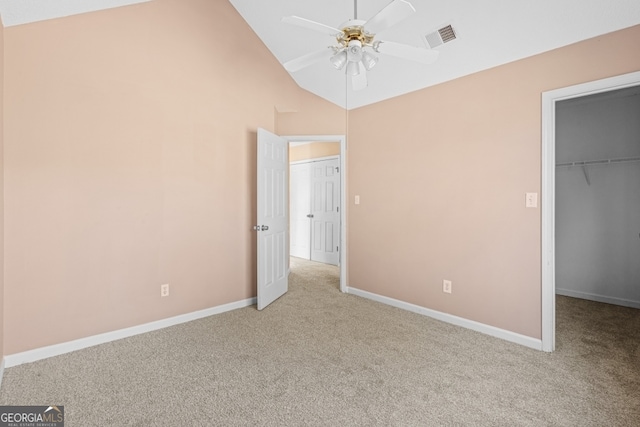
<point x="353" y="30"/>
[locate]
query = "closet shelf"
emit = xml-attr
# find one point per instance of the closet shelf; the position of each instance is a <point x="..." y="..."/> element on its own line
<point x="600" y="162"/>
<point x="597" y="162"/>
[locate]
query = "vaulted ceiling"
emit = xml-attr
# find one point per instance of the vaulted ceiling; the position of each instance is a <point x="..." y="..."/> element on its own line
<point x="489" y="33"/>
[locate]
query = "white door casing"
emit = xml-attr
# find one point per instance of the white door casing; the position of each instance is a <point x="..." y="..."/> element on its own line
<point x="344" y="273"/>
<point x="272" y="218"/>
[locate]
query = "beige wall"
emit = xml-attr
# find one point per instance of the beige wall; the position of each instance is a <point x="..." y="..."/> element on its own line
<point x="130" y="162"/>
<point x="313" y="151"/>
<point x="129" y="144"/>
<point x="444" y="185"/>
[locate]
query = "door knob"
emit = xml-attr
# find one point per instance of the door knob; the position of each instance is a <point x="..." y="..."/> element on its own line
<point x="310" y="216"/>
<point x="256" y="228"/>
<point x="265" y="227"/>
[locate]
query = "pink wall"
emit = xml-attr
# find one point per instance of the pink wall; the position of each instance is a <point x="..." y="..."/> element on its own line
<point x="442" y="175"/>
<point x="130" y="157"/>
<point x="129" y="142"/>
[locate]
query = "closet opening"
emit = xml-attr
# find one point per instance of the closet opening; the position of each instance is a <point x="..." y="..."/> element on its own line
<point x="591" y="195"/>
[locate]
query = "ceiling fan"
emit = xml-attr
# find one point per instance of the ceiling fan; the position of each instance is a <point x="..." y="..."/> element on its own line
<point x="356" y="47"/>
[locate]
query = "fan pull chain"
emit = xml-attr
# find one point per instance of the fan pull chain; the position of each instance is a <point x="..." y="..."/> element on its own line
<point x="355" y="9"/>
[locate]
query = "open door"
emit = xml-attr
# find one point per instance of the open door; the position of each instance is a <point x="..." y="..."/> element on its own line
<point x="273" y="217"/>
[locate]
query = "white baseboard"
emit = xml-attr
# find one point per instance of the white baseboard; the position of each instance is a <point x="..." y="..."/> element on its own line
<point x="455" y="320"/>
<point x="62" y="348"/>
<point x="598" y="298"/>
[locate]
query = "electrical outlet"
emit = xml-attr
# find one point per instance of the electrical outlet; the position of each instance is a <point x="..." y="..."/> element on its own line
<point x="446" y="286"/>
<point x="164" y="290"/>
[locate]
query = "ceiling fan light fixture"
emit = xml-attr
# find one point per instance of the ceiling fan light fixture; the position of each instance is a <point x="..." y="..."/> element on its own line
<point x="369" y="60"/>
<point x="354" y="50"/>
<point x="339" y="60"/>
<point x="353" y="68"/>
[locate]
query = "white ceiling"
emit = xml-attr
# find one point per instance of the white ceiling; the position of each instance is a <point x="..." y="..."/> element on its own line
<point x="490" y="33"/>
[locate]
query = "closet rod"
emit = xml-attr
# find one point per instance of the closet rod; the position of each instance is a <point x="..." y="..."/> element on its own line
<point x="584" y="165"/>
<point x="600" y="162"/>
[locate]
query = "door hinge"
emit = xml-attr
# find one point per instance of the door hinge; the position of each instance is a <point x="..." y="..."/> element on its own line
<point x="337" y="249"/>
<point x="337" y="208"/>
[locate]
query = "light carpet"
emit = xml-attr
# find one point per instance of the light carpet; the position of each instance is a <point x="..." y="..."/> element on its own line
<point x="317" y="357"/>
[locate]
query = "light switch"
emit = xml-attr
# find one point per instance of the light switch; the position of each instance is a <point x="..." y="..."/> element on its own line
<point x="357" y="200"/>
<point x="531" y="200"/>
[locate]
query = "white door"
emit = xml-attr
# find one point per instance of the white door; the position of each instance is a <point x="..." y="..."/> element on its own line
<point x="272" y="221"/>
<point x="325" y="211"/>
<point x="300" y="209"/>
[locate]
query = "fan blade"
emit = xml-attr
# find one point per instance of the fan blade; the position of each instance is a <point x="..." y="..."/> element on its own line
<point x="311" y="25"/>
<point x="405" y="51"/>
<point x="359" y="81"/>
<point x="393" y="13"/>
<point x="304" y="61"/>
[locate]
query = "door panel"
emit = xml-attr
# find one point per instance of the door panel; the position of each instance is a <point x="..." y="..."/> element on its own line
<point x="272" y="219"/>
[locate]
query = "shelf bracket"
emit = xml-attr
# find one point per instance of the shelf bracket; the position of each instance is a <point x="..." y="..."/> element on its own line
<point x="586" y="174"/>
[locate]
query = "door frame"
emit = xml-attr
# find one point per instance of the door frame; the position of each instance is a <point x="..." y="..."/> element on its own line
<point x="343" y="193"/>
<point x="548" y="173"/>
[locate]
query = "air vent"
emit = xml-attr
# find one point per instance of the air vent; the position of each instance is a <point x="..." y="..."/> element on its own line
<point x="441" y="36"/>
<point x="447" y="34"/>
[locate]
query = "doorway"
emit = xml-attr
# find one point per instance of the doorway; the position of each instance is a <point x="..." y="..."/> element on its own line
<point x="339" y="235"/>
<point x="598" y="197"/>
<point x="549" y="132"/>
<point x="314" y="200"/>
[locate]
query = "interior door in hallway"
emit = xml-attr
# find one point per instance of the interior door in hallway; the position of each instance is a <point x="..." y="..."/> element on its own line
<point x="325" y="211"/>
<point x="272" y="217"/>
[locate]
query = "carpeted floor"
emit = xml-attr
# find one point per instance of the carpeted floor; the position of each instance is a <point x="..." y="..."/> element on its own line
<point x="319" y="357"/>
